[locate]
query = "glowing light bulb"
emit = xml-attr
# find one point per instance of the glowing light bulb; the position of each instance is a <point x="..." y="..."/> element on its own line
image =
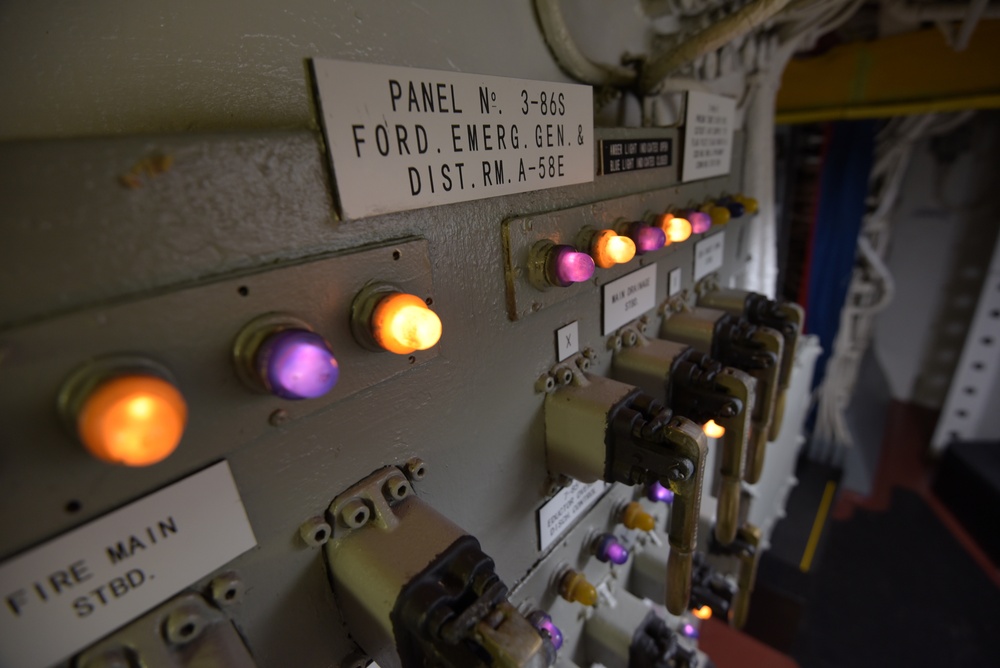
<point x="567" y="266"/>
<point x="545" y="624"/>
<point x="646" y="238"/>
<point x="676" y="228"/>
<point x="609" y="249"/>
<point x="634" y="517"/>
<point x="135" y="420"/>
<point x="703" y="613"/>
<point x="689" y="631"/>
<point x="713" y="429"/>
<point x="700" y="221"/>
<point x="296" y="364"/>
<point x="608" y="548"/>
<point x="658" y="492"/>
<point x="402" y="323"/>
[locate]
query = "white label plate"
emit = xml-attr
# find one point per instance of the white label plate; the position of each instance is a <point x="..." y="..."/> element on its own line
<point x="628" y="297"/>
<point x="568" y="340"/>
<point x="708" y="136"/>
<point x="708" y="255"/>
<point x="674" y="282"/>
<point x="402" y="138"/>
<point x="69" y="592"/>
<point x="557" y="515"/>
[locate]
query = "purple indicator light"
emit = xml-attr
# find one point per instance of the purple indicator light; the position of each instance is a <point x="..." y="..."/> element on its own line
<point x="607" y="548"/>
<point x="657" y="492"/>
<point x="689" y="631"/>
<point x="297" y="364"/>
<point x="646" y="237"/>
<point x="700" y="221"/>
<point x="544" y="624"/>
<point x="568" y="266"/>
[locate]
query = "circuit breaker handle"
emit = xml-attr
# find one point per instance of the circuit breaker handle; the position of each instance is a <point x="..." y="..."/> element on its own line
<point x="764" y="408"/>
<point x="749" y="557"/>
<point x="686" y="440"/>
<point x="734" y="442"/>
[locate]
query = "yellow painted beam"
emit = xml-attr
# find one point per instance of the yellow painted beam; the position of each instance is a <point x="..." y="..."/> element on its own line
<point x="915" y="72"/>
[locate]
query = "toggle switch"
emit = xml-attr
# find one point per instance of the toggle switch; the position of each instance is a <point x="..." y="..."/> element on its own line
<point x="559" y="265"/>
<point x="735" y="342"/>
<point x="647" y="238"/>
<point x="702" y="390"/>
<point x="386" y="318"/>
<point x="782" y="316"/>
<point x="573" y="587"/>
<point x="600" y="429"/>
<point x="125" y="411"/>
<point x="701" y="222"/>
<point x="607" y="247"/>
<point x="281" y="355"/>
<point x="607" y="548"/>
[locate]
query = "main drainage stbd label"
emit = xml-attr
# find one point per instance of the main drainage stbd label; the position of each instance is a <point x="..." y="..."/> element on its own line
<point x="402" y="138"/>
<point x="559" y="512"/>
<point x="69" y="592"/>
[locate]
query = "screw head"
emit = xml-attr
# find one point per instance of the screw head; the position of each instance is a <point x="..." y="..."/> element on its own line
<point x="355" y="514"/>
<point x="184" y="625"/>
<point x="315" y="532"/>
<point x="415" y="469"/>
<point x="227" y="589"/>
<point x="396" y="488"/>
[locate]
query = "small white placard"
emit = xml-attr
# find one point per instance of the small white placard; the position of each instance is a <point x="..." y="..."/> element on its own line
<point x="674" y="282"/>
<point x="557" y="515"/>
<point x="628" y="297"/>
<point x="708" y="255"/>
<point x="69" y="592"/>
<point x="402" y="138"/>
<point x="568" y="340"/>
<point x="708" y="136"/>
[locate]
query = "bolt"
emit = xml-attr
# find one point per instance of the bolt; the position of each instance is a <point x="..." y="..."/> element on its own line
<point x="396" y="488"/>
<point x="227" y="589"/>
<point x="278" y="417"/>
<point x="583" y="363"/>
<point x="416" y="469"/>
<point x="565" y="375"/>
<point x="184" y="625"/>
<point x="315" y="532"/>
<point x="630" y="338"/>
<point x="680" y="472"/>
<point x="545" y="383"/>
<point x="355" y="514"/>
<point x="590" y="354"/>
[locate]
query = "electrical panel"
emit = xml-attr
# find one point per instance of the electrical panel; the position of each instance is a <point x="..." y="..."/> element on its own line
<point x="256" y="415"/>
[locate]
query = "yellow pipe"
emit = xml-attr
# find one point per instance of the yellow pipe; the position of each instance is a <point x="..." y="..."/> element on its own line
<point x="847" y="113"/>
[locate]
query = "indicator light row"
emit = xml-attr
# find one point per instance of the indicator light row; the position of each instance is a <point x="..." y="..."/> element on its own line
<point x="562" y="265"/>
<point x="129" y="411"/>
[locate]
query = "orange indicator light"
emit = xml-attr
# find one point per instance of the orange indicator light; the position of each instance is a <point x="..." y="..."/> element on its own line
<point x="634" y="517"/>
<point x="402" y="323"/>
<point x="713" y="430"/>
<point x="609" y="249"/>
<point x="677" y="229"/>
<point x="134" y="420"/>
<point x="704" y="612"/>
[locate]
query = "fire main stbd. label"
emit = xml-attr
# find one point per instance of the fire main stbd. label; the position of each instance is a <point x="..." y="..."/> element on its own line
<point x="402" y="138"/>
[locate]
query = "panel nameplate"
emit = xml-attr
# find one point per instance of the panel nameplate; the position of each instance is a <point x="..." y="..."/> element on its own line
<point x="69" y="592"/>
<point x="402" y="138"/>
<point x="708" y="136"/>
<point x="628" y="297"/>
<point x="709" y="254"/>
<point x="559" y="512"/>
